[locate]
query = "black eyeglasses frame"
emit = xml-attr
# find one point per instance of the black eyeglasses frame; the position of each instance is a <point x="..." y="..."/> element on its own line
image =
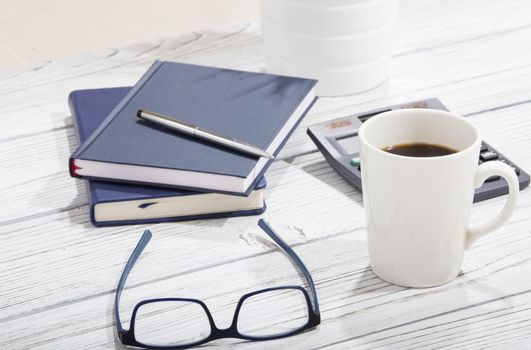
<point x="127" y="336"/>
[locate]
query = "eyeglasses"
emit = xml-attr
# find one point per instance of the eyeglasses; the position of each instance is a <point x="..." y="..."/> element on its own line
<point x="179" y="323"/>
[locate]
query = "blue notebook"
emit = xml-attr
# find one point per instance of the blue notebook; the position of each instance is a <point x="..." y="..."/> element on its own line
<point x="260" y="109"/>
<point x="120" y="204"/>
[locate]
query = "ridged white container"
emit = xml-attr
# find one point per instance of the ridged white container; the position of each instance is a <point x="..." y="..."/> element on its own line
<point x="345" y="44"/>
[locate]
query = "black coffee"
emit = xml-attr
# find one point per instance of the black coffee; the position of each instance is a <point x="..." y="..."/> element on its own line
<point x="419" y="150"/>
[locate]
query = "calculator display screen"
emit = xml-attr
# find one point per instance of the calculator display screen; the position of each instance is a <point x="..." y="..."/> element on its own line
<point x="349" y="143"/>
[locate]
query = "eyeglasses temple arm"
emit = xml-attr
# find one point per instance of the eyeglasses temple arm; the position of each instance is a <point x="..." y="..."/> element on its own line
<point x="130" y="263"/>
<point x="264" y="225"/>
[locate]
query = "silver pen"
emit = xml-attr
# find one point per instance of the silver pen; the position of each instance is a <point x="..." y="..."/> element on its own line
<point x="195" y="131"/>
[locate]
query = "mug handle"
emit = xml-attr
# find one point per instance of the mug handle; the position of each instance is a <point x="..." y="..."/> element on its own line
<point x="485" y="171"/>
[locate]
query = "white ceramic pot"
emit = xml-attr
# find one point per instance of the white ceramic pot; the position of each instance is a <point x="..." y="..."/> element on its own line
<point x="345" y="44"/>
<point x="331" y="51"/>
<point x="338" y="81"/>
<point x="329" y="18"/>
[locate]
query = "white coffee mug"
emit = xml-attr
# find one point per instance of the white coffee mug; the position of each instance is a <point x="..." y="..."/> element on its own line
<point x="418" y="209"/>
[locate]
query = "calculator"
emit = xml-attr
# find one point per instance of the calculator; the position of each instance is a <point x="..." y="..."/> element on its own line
<point x="337" y="140"/>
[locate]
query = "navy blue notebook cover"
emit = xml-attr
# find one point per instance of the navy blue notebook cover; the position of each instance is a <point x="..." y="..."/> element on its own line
<point x="260" y="109"/>
<point x="89" y="108"/>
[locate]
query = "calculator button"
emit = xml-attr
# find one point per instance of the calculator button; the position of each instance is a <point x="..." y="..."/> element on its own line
<point x="484" y="147"/>
<point x="488" y="155"/>
<point x="355" y="162"/>
<point x="492" y="178"/>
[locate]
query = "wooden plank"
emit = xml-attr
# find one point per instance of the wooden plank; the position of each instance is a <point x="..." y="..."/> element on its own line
<point x="57" y="273"/>
<point x="352" y="299"/>
<point x="37" y="183"/>
<point x="309" y="175"/>
<point x="73" y="244"/>
<point x="467" y="97"/>
<point x="476" y="95"/>
<point x="426" y="39"/>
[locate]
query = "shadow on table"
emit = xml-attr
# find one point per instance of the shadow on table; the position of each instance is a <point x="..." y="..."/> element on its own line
<point x="78" y="217"/>
<point x="57" y="192"/>
<point x="321" y="170"/>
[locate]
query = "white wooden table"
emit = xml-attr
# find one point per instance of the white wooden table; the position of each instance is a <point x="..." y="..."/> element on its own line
<point x="58" y="273"/>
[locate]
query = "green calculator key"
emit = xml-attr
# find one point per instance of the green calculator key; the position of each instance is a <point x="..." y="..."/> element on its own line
<point x="355" y="161"/>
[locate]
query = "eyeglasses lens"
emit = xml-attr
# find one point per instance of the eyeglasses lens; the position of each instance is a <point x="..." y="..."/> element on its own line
<point x="273" y="313"/>
<point x="171" y="323"/>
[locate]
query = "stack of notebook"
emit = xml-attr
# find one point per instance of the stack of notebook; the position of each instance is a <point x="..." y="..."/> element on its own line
<point x="139" y="172"/>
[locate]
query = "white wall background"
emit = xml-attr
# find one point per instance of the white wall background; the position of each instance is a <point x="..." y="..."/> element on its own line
<point x="32" y="31"/>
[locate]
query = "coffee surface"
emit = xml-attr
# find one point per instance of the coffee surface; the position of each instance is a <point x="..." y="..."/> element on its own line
<point x="419" y="150"/>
